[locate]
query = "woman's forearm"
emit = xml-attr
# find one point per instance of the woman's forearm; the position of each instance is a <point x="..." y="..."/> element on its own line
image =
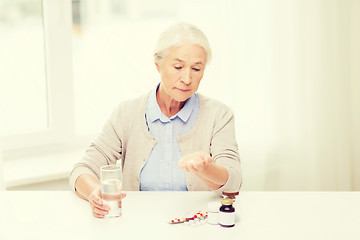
<point x="214" y="176"/>
<point x="210" y="185"/>
<point x="85" y="185"/>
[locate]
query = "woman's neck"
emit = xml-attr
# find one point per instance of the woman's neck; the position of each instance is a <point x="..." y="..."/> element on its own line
<point x="168" y="105"/>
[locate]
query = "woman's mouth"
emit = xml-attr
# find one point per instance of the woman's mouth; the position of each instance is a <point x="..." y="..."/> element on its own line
<point x="183" y="90"/>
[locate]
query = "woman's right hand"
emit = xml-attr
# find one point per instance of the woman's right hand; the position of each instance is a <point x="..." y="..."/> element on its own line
<point x="98" y="207"/>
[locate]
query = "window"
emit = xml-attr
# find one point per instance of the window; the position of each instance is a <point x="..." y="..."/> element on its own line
<point x="36" y="81"/>
<point x="22" y="72"/>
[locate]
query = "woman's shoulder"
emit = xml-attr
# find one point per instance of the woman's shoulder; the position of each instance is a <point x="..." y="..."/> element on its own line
<point x="212" y="105"/>
<point x="213" y="114"/>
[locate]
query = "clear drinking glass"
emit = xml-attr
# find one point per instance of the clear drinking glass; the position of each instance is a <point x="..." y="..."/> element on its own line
<point x="111" y="185"/>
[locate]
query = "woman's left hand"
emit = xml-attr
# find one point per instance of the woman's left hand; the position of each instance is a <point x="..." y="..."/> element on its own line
<point x="195" y="162"/>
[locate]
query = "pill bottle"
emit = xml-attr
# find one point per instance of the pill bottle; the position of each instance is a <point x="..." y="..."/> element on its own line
<point x="227" y="213"/>
<point x="230" y="194"/>
<point x="213" y="213"/>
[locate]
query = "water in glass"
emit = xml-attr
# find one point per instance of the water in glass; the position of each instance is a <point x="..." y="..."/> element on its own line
<point x="111" y="194"/>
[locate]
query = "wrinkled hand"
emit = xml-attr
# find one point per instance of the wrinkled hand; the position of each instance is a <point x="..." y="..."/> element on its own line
<point x="195" y="162"/>
<point x="99" y="208"/>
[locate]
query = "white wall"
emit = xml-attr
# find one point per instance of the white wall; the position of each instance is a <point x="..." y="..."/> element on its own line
<point x="2" y="183"/>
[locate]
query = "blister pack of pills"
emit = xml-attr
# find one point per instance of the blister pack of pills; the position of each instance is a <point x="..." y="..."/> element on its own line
<point x="197" y="218"/>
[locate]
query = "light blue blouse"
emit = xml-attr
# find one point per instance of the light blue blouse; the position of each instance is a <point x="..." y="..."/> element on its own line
<point x="161" y="171"/>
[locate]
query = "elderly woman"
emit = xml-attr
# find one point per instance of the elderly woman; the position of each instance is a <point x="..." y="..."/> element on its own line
<point x="171" y="139"/>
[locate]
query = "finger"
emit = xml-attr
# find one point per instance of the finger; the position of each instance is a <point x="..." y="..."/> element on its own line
<point x="94" y="197"/>
<point x="183" y="165"/>
<point x="105" y="207"/>
<point x="190" y="167"/>
<point x="185" y="169"/>
<point x="102" y="206"/>
<point x="198" y="166"/>
<point x="191" y="161"/>
<point x="207" y="160"/>
<point x="95" y="202"/>
<point x="204" y="163"/>
<point x="195" y="165"/>
<point x="99" y="211"/>
<point x="98" y="200"/>
<point x="98" y="215"/>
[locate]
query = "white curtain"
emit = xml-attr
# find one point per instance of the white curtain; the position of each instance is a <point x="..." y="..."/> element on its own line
<point x="290" y="71"/>
<point x="311" y="103"/>
<point x="311" y="99"/>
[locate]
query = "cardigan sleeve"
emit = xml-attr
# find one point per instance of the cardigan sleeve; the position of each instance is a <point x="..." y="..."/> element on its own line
<point x="224" y="150"/>
<point x="105" y="149"/>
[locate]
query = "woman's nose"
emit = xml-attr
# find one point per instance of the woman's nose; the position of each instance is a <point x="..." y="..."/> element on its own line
<point x="186" y="78"/>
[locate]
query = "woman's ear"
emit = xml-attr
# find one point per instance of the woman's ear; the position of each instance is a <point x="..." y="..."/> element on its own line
<point x="157" y="67"/>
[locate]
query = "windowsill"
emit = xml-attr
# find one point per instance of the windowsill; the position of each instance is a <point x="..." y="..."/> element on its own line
<point x="39" y="168"/>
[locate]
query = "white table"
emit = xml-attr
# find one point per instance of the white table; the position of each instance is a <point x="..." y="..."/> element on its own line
<point x="261" y="215"/>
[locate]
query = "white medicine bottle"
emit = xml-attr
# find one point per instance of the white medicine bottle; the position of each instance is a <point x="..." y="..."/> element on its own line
<point x="213" y="213"/>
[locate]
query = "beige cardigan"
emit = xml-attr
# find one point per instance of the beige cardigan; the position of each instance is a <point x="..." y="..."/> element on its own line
<point x="125" y="135"/>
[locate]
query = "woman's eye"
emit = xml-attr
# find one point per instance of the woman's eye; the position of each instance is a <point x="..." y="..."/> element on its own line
<point x="178" y="68"/>
<point x="196" y="69"/>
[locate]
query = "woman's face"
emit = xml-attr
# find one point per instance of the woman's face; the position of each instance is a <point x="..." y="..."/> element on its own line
<point x="181" y="71"/>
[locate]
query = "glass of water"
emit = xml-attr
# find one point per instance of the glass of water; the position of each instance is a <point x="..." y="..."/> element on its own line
<point x="111" y="184"/>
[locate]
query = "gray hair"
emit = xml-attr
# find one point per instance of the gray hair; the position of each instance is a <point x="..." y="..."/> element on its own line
<point x="177" y="35"/>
